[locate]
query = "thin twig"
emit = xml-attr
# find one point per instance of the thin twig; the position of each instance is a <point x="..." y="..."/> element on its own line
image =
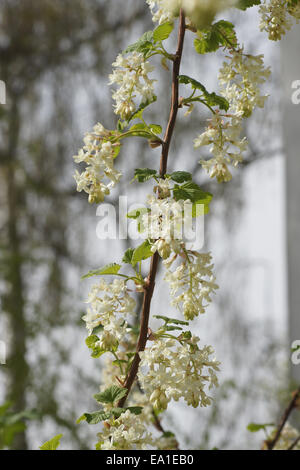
<point x="292" y="405"/>
<point x="149" y="285"/>
<point x="293" y="445"/>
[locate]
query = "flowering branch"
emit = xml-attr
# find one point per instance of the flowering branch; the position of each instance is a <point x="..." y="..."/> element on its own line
<point x="149" y="285"/>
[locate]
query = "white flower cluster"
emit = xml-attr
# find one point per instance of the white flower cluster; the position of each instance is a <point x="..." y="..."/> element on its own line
<point x="128" y="432"/>
<point x="172" y="370"/>
<point x="110" y="304"/>
<point x="240" y="79"/>
<point x="98" y="153"/>
<point x="192" y="283"/>
<point x="288" y="436"/>
<point x="276" y="17"/>
<point x="199" y="12"/>
<point x="131" y="76"/>
<point x="164" y="222"/>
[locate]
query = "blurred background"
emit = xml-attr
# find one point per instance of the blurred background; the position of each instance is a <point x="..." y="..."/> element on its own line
<point x="55" y="57"/>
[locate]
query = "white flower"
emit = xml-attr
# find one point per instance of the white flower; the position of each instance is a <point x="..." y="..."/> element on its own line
<point x="131" y="75"/>
<point x="164" y="10"/>
<point x="170" y="370"/>
<point x="202" y="12"/>
<point x="109" y="304"/>
<point x="191" y="284"/>
<point x="98" y="154"/>
<point x="128" y="432"/>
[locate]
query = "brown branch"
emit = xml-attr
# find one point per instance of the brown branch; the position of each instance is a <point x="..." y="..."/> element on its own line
<point x="149" y="285"/>
<point x="292" y="405"/>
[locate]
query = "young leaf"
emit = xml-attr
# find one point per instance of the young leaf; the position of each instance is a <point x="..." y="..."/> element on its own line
<point x="128" y="254"/>
<point x="162" y="32"/>
<point x="111" y="394"/>
<point x="144" y="174"/>
<point x="212" y="99"/>
<point x="155" y="128"/>
<point x="139" y="112"/>
<point x="171" y="320"/>
<point x="91" y="341"/>
<point x="112" y="268"/>
<point x="136" y="410"/>
<point x="141" y="252"/>
<point x="52" y="444"/>
<point x="254" y="427"/>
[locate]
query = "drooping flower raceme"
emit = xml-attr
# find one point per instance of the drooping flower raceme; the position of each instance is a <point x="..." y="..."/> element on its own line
<point x="240" y="79"/>
<point x="277" y="17"/>
<point x="171" y="369"/>
<point x="98" y="154"/>
<point x="287" y="438"/>
<point x="131" y="75"/>
<point x="192" y="283"/>
<point x="110" y="305"/>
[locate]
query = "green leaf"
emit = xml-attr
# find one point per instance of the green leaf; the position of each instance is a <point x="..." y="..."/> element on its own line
<point x="95" y="417"/>
<point x="142" y="252"/>
<point x="196" y="195"/>
<point x="212" y="99"/>
<point x="219" y="34"/>
<point x="244" y="4"/>
<point x="128" y="254"/>
<point x="111" y="394"/>
<point x="162" y="32"/>
<point x="180" y="176"/>
<point x="171" y="320"/>
<point x="254" y="427"/>
<point x="52" y="444"/>
<point x="143" y="45"/>
<point x="144" y="174"/>
<point x="112" y="268"/>
<point x="136" y="410"/>
<point x="155" y="128"/>
<point x="97" y="329"/>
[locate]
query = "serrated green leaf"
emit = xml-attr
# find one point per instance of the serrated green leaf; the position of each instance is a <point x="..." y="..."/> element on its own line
<point x="112" y="268"/>
<point x="52" y="444"/>
<point x="180" y="176"/>
<point x="219" y="34"/>
<point x="97" y="416"/>
<point x="143" y="45"/>
<point x="162" y="32"/>
<point x="144" y="174"/>
<point x="111" y="394"/>
<point x="142" y="252"/>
